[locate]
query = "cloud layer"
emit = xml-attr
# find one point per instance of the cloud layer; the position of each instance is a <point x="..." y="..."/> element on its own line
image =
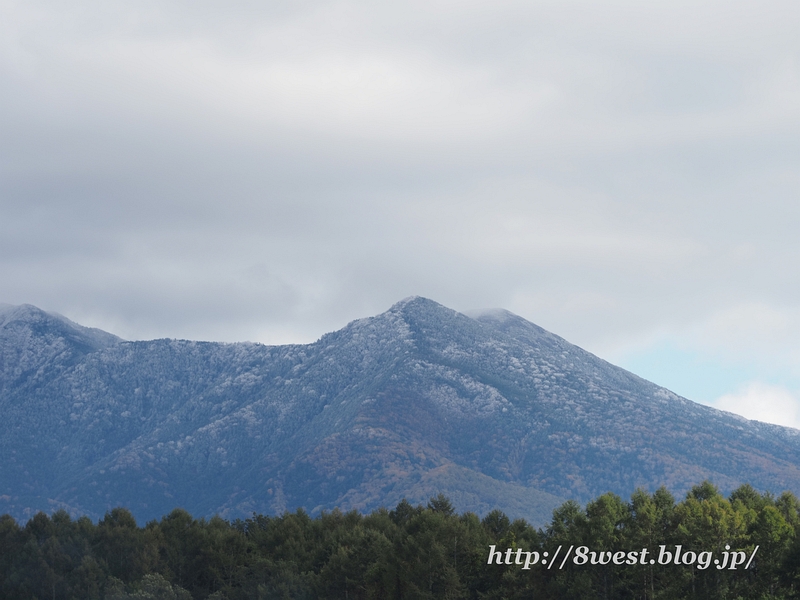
<point x="761" y="402"/>
<point x="620" y="173"/>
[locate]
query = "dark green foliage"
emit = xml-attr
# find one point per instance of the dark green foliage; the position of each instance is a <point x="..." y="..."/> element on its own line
<point x="413" y="552"/>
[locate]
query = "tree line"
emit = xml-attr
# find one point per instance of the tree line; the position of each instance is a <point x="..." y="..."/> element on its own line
<point x="410" y="552"/>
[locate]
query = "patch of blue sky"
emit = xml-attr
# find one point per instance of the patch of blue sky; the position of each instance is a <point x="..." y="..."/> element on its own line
<point x="697" y="376"/>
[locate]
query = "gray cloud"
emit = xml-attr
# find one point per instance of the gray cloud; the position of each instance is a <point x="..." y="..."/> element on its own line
<point x="616" y="172"/>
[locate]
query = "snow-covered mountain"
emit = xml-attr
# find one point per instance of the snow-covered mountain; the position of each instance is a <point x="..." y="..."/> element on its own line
<point x="490" y="409"/>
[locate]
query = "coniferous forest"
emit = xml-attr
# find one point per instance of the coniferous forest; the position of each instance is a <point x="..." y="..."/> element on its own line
<point x="414" y="552"/>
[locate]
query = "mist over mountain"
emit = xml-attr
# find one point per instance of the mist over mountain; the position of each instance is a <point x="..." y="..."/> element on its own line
<point x="490" y="409"/>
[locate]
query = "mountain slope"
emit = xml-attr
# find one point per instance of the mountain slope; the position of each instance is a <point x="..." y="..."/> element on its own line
<point x="490" y="409"/>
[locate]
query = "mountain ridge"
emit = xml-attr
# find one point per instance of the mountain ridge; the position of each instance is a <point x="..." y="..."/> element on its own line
<point x="420" y="399"/>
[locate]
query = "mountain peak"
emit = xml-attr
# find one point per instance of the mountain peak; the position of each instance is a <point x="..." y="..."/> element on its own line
<point x="37" y="322"/>
<point x="33" y="341"/>
<point x="416" y="304"/>
<point x="409" y="300"/>
<point x="420" y="399"/>
<point x="21" y="312"/>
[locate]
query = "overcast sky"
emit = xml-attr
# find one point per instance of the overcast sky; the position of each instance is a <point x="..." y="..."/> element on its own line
<point x="624" y="174"/>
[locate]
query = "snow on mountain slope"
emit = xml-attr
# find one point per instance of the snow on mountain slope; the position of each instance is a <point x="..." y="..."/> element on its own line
<point x="493" y="410"/>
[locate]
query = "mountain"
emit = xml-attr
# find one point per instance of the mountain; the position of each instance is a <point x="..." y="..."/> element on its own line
<point x="492" y="410"/>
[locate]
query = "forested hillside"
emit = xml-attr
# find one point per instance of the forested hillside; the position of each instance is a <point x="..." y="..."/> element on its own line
<point x="414" y="552"/>
<point x="491" y="410"/>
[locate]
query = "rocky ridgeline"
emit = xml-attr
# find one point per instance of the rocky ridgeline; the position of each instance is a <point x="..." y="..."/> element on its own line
<point x="491" y="410"/>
